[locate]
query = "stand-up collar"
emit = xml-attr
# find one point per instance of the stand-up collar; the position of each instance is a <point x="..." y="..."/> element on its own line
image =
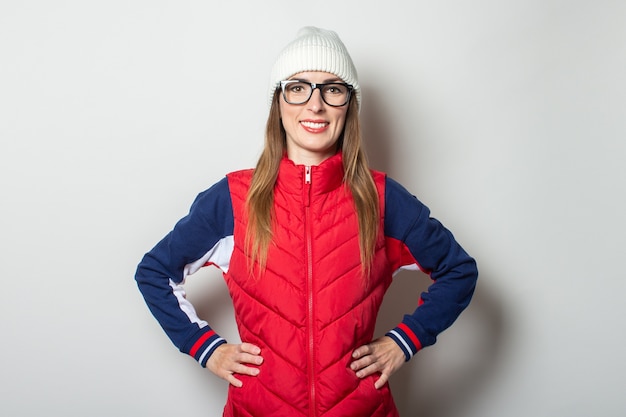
<point x="325" y="177"/>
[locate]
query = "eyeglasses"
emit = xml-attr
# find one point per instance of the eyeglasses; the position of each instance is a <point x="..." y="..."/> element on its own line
<point x="299" y="92"/>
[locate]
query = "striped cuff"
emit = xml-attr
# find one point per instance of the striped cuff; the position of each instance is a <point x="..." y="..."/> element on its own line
<point x="205" y="345"/>
<point x="406" y="339"/>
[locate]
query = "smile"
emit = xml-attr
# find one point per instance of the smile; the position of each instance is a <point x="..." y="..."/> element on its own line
<point x="314" y="126"/>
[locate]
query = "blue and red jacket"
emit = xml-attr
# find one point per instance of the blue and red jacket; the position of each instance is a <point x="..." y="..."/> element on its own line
<point x="312" y="306"/>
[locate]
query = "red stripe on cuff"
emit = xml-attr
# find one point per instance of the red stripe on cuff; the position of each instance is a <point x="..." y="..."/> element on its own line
<point x="200" y="342"/>
<point x="411" y="335"/>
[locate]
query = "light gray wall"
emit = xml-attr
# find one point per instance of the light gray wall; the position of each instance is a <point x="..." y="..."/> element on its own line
<point x="506" y="117"/>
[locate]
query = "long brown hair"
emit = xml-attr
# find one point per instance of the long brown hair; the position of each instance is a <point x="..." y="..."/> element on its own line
<point x="357" y="176"/>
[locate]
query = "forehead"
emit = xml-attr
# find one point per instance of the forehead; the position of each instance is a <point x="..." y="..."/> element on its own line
<point x="315" y="76"/>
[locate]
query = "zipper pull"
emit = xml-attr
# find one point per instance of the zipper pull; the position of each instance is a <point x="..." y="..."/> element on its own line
<point x="307" y="186"/>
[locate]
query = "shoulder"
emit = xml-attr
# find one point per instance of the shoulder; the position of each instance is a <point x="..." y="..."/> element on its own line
<point x="216" y="191"/>
<point x="214" y="201"/>
<point x="378" y="176"/>
<point x="398" y="195"/>
<point x="241" y="175"/>
<point x="239" y="183"/>
<point x="392" y="190"/>
<point x="402" y="209"/>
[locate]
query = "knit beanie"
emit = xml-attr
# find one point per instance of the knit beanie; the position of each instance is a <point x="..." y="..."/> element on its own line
<point x="315" y="49"/>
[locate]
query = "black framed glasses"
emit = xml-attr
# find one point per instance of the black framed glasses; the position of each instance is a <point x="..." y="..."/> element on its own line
<point x="335" y="94"/>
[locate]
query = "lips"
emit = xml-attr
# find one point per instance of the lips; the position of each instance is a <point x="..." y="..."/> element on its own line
<point x="314" y="126"/>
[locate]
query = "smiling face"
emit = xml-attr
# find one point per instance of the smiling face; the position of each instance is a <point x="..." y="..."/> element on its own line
<point x="312" y="128"/>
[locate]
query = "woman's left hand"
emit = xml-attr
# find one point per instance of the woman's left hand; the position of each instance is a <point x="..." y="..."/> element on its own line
<point x="382" y="355"/>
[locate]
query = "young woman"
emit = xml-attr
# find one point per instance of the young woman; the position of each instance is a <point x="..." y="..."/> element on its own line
<point x="308" y="243"/>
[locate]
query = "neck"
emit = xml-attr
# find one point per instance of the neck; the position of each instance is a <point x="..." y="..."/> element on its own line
<point x="309" y="158"/>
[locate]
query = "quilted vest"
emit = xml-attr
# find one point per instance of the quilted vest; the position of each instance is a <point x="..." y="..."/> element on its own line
<point x="311" y="307"/>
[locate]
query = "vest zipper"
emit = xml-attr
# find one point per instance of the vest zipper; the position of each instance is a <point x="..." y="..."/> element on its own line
<point x="309" y="272"/>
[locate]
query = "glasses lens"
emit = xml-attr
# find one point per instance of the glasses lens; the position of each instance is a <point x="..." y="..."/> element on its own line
<point x="297" y="92"/>
<point x="335" y="94"/>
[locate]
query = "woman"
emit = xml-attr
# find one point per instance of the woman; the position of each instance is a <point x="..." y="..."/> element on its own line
<point x="308" y="243"/>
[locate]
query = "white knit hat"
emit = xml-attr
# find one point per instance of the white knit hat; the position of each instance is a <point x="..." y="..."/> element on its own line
<point x="315" y="49"/>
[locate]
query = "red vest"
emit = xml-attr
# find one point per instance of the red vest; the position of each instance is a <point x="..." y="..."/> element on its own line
<point x="312" y="307"/>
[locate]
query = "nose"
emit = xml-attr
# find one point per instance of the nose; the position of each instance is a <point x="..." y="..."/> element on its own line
<point x="315" y="103"/>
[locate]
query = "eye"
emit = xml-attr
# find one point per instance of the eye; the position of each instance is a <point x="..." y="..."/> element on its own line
<point x="297" y="88"/>
<point x="335" y="89"/>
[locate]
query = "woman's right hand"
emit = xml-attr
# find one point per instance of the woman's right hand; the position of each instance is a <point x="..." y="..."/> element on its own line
<point x="230" y="359"/>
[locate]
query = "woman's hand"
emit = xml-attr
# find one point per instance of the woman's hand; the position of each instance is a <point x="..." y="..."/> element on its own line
<point x="229" y="359"/>
<point x="382" y="355"/>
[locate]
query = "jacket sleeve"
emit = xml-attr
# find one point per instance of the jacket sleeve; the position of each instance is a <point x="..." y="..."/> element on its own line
<point x="202" y="237"/>
<point x="417" y="241"/>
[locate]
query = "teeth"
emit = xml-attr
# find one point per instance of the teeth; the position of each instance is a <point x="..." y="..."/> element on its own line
<point x="314" y="125"/>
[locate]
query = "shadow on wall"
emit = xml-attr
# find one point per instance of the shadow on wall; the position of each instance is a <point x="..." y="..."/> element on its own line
<point x="442" y="380"/>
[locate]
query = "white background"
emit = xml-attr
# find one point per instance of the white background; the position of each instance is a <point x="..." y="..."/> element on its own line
<point x="507" y="118"/>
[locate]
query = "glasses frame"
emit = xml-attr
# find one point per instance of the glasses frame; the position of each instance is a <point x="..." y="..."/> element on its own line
<point x="319" y="86"/>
